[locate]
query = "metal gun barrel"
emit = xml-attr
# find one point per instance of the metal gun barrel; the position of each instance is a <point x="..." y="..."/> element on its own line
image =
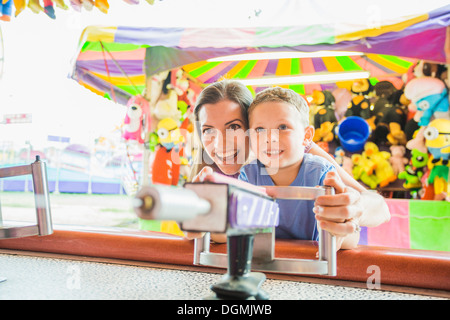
<point x="160" y="202"/>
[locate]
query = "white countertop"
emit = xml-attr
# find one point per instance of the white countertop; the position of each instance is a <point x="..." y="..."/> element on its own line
<point x="31" y="277"/>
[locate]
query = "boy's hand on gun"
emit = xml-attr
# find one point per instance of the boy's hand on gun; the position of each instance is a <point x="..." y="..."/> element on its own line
<point x="339" y="213"/>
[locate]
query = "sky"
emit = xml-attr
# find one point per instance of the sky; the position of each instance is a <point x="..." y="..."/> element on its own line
<point x="39" y="52"/>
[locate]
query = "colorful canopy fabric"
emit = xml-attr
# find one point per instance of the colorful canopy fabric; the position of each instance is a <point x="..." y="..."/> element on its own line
<point x="381" y="67"/>
<point x="114" y="61"/>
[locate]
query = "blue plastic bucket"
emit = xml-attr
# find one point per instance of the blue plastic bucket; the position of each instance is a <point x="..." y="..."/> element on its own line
<point x="353" y="133"/>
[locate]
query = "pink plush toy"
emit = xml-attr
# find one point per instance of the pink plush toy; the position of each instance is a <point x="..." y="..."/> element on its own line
<point x="397" y="159"/>
<point x="136" y="119"/>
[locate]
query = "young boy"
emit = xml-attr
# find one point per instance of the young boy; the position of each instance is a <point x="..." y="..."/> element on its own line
<point x="279" y="132"/>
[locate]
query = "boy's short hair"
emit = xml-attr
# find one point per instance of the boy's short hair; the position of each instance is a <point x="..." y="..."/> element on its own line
<point x="279" y="94"/>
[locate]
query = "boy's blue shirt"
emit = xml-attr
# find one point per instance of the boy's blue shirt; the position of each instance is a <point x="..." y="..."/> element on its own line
<point x="297" y="219"/>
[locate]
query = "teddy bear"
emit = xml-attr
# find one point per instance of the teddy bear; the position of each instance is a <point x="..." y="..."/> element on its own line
<point x="398" y="159"/>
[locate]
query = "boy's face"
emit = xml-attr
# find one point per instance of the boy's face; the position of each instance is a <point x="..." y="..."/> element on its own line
<point x="277" y="136"/>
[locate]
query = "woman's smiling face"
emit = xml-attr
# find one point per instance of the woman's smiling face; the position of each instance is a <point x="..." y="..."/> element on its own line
<point x="224" y="135"/>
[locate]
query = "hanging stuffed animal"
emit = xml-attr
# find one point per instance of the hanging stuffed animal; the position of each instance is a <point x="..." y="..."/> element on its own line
<point x="35" y="6"/>
<point x="87" y="4"/>
<point x="48" y="7"/>
<point x="325" y="119"/>
<point x="136" y="119"/>
<point x="6" y="9"/>
<point x="167" y="161"/>
<point x="429" y="69"/>
<point x="360" y="104"/>
<point x="430" y="96"/>
<point x="391" y="126"/>
<point x="384" y="91"/>
<point x="167" y="105"/>
<point x="60" y="4"/>
<point x="20" y="5"/>
<point x="181" y="85"/>
<point x="76" y="5"/>
<point x="102" y="5"/>
<point x="343" y="98"/>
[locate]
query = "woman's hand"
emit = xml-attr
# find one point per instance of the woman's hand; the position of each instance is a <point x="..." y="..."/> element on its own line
<point x="339" y="213"/>
<point x="200" y="177"/>
<point x="216" y="237"/>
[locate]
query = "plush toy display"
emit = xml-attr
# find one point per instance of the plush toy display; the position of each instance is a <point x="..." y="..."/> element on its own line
<point x="360" y="103"/>
<point x="398" y="159"/>
<point x="439" y="179"/>
<point x="383" y="170"/>
<point x="384" y="91"/>
<point x="167" y="160"/>
<point x="390" y="127"/>
<point x="6" y="9"/>
<point x="430" y="96"/>
<point x="414" y="172"/>
<point x="429" y="69"/>
<point x="339" y="155"/>
<point x="343" y="98"/>
<point x="48" y="7"/>
<point x="102" y="5"/>
<point x="324" y="119"/>
<point x="167" y="105"/>
<point x="136" y="119"/>
<point x="363" y="170"/>
<point x="437" y="140"/>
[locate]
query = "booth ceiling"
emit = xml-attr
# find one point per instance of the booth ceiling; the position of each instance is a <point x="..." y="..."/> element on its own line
<point x="115" y="61"/>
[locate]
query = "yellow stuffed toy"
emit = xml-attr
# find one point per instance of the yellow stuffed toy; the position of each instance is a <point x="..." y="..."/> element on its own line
<point x="363" y="169"/>
<point x="383" y="170"/>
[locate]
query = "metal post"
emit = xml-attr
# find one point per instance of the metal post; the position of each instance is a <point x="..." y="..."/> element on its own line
<point x="327" y="244"/>
<point x="41" y="197"/>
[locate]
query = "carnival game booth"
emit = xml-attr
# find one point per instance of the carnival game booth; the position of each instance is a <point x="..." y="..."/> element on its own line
<point x="159" y="72"/>
<point x="168" y="67"/>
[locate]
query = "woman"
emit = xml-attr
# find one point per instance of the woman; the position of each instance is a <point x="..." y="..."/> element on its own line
<point x="220" y="126"/>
